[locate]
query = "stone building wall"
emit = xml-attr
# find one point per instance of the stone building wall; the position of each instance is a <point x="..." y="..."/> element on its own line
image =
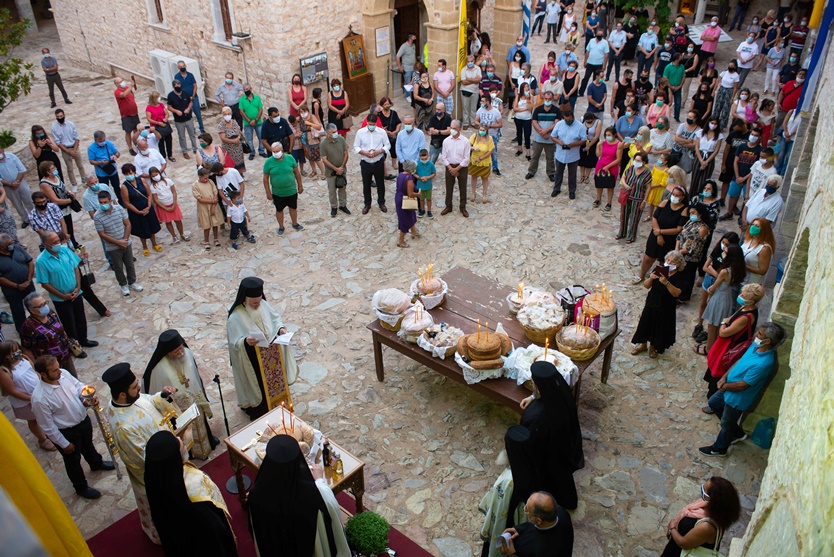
<point x="795" y="508"/>
<point x="97" y="34"/>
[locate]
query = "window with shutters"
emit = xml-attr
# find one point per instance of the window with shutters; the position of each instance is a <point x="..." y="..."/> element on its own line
<point x="221" y="16"/>
<point x="156" y="14"/>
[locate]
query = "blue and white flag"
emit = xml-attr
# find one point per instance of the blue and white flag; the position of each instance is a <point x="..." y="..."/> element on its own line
<point x="526" y="20"/>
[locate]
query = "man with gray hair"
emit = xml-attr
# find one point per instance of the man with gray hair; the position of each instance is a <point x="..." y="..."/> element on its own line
<point x="470" y="78"/>
<point x="17" y="269"/>
<point x="228" y="94"/>
<point x="334" y="155"/>
<point x="410" y="141"/>
<point x="182" y="106"/>
<point x="103" y="154"/>
<point x="739" y="389"/>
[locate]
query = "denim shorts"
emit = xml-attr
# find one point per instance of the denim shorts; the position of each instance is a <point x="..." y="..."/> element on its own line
<point x="709" y="280"/>
<point x="735" y="189"/>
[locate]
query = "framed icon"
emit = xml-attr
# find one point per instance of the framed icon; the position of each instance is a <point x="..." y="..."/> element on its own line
<point x="355" y="58"/>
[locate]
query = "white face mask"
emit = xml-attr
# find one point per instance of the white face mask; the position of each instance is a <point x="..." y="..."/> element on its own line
<point x="743" y="97"/>
<point x="453" y="132"/>
<point x="145" y="152"/>
<point x="638" y="164"/>
<point x="757" y="341"/>
<point x="493" y="95"/>
<point x="276" y="119"/>
<point x="123" y="84"/>
<point x="156" y="178"/>
<point x="304" y="115"/>
<point x="278" y="155"/>
<point x="713" y="125"/>
<point x="669" y="265"/>
<point x="227" y="117"/>
<point x="675" y="199"/>
<point x="713" y="23"/>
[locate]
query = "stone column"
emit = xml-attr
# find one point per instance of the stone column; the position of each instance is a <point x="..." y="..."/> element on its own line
<point x="376" y="14"/>
<point x="24" y="10"/>
<point x="508" y="16"/>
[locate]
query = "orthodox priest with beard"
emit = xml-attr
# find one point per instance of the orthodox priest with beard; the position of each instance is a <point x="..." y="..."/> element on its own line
<point x="173" y="363"/>
<point x="251" y="315"/>
<point x="134" y="418"/>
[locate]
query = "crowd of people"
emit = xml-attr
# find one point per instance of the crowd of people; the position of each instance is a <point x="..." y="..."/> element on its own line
<point x="723" y="161"/>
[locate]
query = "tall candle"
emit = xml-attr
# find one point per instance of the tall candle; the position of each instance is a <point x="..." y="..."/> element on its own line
<point x="479" y="330"/>
<point x="546" y="346"/>
<point x="487" y="330"/>
<point x="283" y="417"/>
<point x="520" y="293"/>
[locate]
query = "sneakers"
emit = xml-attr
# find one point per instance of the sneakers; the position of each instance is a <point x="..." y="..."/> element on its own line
<point x="298" y="227"/>
<point x="739" y="439"/>
<point x="137" y="287"/>
<point x="430" y="215"/>
<point x="234" y="245"/>
<point x="280" y="231"/>
<point x="6" y="318"/>
<point x="251" y="239"/>
<point x="332" y="212"/>
<point x="125" y="290"/>
<point x="421" y="214"/>
<point x="725" y="217"/>
<point x="709" y="451"/>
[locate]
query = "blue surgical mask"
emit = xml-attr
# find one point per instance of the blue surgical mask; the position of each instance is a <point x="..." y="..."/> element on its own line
<point x="693" y="218"/>
<point x="95" y="187"/>
<point x="470" y="65"/>
<point x="407" y="127"/>
<point x="144" y="133"/>
<point x="371" y="127"/>
<point x="740" y="301"/>
<point x="548" y="103"/>
<point x="105" y="207"/>
<point x="238" y="201"/>
<point x="629" y="114"/>
<point x="44" y="311"/>
<point x="130" y="177"/>
<point x="337" y="88"/>
<point x="335" y="135"/>
<point x="490" y="74"/>
<point x="229" y="81"/>
<point x="56" y="173"/>
<point x="101" y="143"/>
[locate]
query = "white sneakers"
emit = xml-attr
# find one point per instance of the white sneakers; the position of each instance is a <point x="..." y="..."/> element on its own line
<point x="135" y="286"/>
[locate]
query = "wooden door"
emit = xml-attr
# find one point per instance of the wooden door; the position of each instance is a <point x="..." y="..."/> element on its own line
<point x="407" y="20"/>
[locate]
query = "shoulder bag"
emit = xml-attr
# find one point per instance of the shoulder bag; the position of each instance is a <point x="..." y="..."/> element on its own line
<point x="703" y="551"/>
<point x="341" y="181"/>
<point x="108" y="168"/>
<point x="725" y="352"/>
<point x="604" y="180"/>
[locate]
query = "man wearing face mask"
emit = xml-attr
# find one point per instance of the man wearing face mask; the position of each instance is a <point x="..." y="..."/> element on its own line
<point x="544" y="120"/>
<point x="147" y="158"/>
<point x="406" y="59"/>
<point x="617" y="41"/>
<point x="552" y="11"/>
<point x="228" y="94"/>
<point x="182" y="106"/>
<point x="273" y="129"/>
<point x="663" y="59"/>
<point x="739" y="389"/>
<point x="647" y="47"/>
<point x="65" y="134"/>
<point x="596" y="58"/>
<point x="12" y="174"/>
<point x="789" y="71"/>
<point x="190" y="88"/>
<point x="675" y="73"/>
<point x="334" y="155"/>
<point x="113" y="227"/>
<point x="148" y="133"/>
<point x="745" y="155"/>
<point x="470" y="78"/>
<point x="444" y="84"/>
<point x="438" y="129"/>
<point x="103" y="154"/>
<point x="128" y="110"/>
<point x="17" y="272"/>
<point x="49" y="65"/>
<point x="748" y="52"/>
<point x="568" y="137"/>
<point x="90" y="203"/>
<point x="764" y="204"/>
<point x="372" y="145"/>
<point x="518" y="47"/>
<point x="56" y="269"/>
<point x="565" y="58"/>
<point x="252" y="108"/>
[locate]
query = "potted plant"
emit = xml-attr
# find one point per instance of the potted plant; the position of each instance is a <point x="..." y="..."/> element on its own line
<point x="7" y="139"/>
<point x="367" y="533"/>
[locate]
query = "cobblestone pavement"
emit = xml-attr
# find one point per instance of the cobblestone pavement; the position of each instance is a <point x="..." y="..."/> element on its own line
<point x="430" y="444"/>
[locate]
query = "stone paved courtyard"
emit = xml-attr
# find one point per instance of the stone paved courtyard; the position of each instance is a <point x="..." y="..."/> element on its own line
<point x="429" y="444"/>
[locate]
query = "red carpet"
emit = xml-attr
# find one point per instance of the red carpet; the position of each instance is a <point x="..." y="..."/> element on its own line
<point x="125" y="538"/>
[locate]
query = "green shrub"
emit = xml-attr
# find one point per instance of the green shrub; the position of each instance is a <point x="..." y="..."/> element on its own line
<point x="367" y="533"/>
<point x="7" y="139"/>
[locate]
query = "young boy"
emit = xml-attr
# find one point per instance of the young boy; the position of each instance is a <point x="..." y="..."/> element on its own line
<point x="425" y="172"/>
<point x="297" y="149"/>
<point x="238" y="218"/>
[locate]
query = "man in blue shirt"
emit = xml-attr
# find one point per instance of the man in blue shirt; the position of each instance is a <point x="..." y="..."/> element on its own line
<point x="646" y="49"/>
<point x="410" y="141"/>
<point x="565" y="58"/>
<point x="103" y="154"/>
<point x="518" y="47"/>
<point x="568" y="136"/>
<point x="739" y="389"/>
<point x="596" y="58"/>
<point x="189" y="87"/>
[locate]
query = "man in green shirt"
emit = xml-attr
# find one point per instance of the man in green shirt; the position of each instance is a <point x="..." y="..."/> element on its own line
<point x="282" y="182"/>
<point x="252" y="109"/>
<point x="674" y="72"/>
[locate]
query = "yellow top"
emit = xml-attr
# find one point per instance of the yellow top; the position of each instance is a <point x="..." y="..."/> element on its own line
<point x="480" y="147"/>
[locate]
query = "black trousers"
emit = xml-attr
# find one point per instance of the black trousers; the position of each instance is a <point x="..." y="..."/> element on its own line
<point x="589" y="74"/>
<point x="90" y="296"/>
<point x="15" y="299"/>
<point x="70" y="230"/>
<point x="373" y="171"/>
<point x="71" y="314"/>
<point x="112" y="180"/>
<point x="81" y="436"/>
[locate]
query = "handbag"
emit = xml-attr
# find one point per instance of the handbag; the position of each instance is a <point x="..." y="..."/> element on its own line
<point x="227" y="160"/>
<point x="341" y="181"/>
<point x="410" y="204"/>
<point x="347" y="122"/>
<point x="165" y="130"/>
<point x="604" y="181"/>
<point x="245" y="147"/>
<point x="622" y="199"/>
<point x="75" y="348"/>
<point x="75" y="205"/>
<point x="726" y="351"/>
<point x="703" y="551"/>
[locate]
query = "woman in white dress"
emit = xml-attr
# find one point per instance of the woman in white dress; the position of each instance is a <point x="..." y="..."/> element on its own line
<point x="567" y="20"/>
<point x="758" y="247"/>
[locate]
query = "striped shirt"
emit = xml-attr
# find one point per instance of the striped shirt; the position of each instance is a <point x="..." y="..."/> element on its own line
<point x="112" y="223"/>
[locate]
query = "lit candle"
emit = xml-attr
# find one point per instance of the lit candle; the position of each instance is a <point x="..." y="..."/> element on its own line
<point x="546" y="346"/>
<point x="596" y="288"/>
<point x="479" y="330"/>
<point x="283" y="417"/>
<point x="520" y="293"/>
<point x="292" y="420"/>
<point x="487" y="330"/>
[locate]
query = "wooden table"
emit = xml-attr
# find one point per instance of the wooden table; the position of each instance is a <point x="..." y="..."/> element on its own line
<point x="352" y="480"/>
<point x="472" y="297"/>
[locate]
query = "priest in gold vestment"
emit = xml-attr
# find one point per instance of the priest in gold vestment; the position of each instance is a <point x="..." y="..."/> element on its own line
<point x="134" y="418"/>
<point x="249" y="317"/>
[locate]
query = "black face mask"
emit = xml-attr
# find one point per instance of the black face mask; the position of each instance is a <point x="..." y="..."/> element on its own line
<point x="732" y="69"/>
<point x="177" y="88"/>
<point x="60" y="120"/>
<point x="644" y="78"/>
<point x="182" y="70"/>
<point x="248" y="93"/>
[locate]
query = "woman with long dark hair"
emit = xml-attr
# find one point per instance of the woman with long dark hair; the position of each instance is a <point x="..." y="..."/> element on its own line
<point x="691" y="242"/>
<point x="722" y="301"/>
<point x="707" y="146"/>
<point x="187" y="508"/>
<point x="44" y="149"/>
<point x="704" y="522"/>
<point x="711" y="267"/>
<point x="655" y="331"/>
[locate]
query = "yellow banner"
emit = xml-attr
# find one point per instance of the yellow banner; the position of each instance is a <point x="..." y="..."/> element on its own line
<point x="464" y="27"/>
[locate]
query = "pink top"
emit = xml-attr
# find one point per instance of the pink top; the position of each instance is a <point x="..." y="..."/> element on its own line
<point x="157" y="112"/>
<point x="710" y="46"/>
<point x="546" y="69"/>
<point x="653" y="113"/>
<point x="609" y="155"/>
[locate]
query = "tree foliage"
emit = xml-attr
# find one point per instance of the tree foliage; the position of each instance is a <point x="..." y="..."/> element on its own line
<point x="661" y="11"/>
<point x="15" y="76"/>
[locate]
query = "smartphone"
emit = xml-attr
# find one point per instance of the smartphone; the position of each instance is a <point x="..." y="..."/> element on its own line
<point x="147" y="127"/>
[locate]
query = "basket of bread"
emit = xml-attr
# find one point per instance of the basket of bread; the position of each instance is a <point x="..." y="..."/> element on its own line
<point x="390" y="306"/>
<point x="541" y="316"/>
<point x="579" y="341"/>
<point x="415" y="321"/>
<point x="480" y="354"/>
<point x="428" y="288"/>
<point x="441" y="340"/>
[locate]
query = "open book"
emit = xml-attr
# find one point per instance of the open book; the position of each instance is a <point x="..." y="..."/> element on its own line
<point x="187" y="418"/>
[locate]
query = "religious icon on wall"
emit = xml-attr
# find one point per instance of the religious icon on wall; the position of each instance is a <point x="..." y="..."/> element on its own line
<point x="354" y="51"/>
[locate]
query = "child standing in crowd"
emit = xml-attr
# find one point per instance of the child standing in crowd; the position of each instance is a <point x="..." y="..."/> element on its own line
<point x="425" y="173"/>
<point x="237" y="218"/>
<point x="297" y="149"/>
<point x="209" y="216"/>
<point x="165" y="204"/>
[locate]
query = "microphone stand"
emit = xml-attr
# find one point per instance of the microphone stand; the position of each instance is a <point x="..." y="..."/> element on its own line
<point x="231" y="483"/>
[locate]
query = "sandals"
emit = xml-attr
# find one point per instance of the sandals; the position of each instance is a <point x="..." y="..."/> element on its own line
<point x="217" y="243"/>
<point x="208" y="246"/>
<point x="416" y="235"/>
<point x="175" y="241"/>
<point x="518" y="153"/>
<point x="707" y="410"/>
<point x="146" y="252"/>
<point x="402" y="245"/>
<point x="700" y="349"/>
<point x="652" y="352"/>
<point x="636" y="280"/>
<point x="607" y="207"/>
<point x="638" y="349"/>
<point x="157" y="248"/>
<point x="597" y="203"/>
<point x="186" y="238"/>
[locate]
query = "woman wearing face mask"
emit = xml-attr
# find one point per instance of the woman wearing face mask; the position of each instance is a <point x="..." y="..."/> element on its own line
<point x="725" y="93"/>
<point x="660" y="176"/>
<point x="703" y="523"/>
<point x="157" y="116"/>
<point x="609" y="153"/>
<point x="44" y="150"/>
<point x="768" y="39"/>
<point x="571" y="84"/>
<point x="657" y="109"/>
<point x="56" y="192"/>
<point x="424" y="96"/>
<point x="636" y="183"/>
<point x="627" y="127"/>
<point x="758" y="248"/>
<point x="692" y="243"/>
<point x="683" y="151"/>
<point x="523" y="119"/>
<point x="311" y="133"/>
<point x="690" y="61"/>
<point x="18" y="381"/>
<point x="661" y="140"/>
<point x="480" y="160"/>
<point x="655" y="331"/>
<point x="723" y="293"/>
<point x="588" y="157"/>
<point x="7" y="223"/>
<point x="138" y="202"/>
<point x="766" y="114"/>
<point x="708" y="75"/>
<point x="296" y="95"/>
<point x="574" y="35"/>
<point x="702" y="103"/>
<point x="707" y="146"/>
<point x="711" y="267"/>
<point x="667" y="222"/>
<point x="740" y="106"/>
<point x="165" y="204"/>
<point x="407" y="218"/>
<point x="568" y="20"/>
<point x="737" y="329"/>
<point x="338" y="104"/>
<point x="591" y="22"/>
<point x="785" y="29"/>
<point x="549" y="67"/>
<point x="642" y="142"/>
<point x="633" y="33"/>
<point x="230" y="134"/>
